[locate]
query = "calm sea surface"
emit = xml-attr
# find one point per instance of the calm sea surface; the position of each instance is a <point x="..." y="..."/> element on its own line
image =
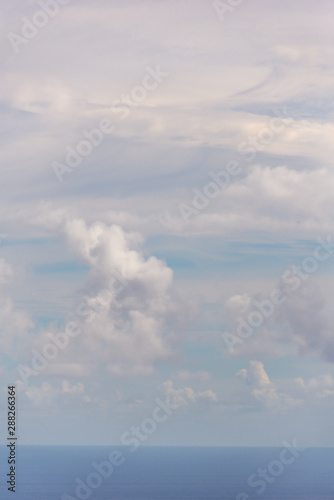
<point x="168" y="473"/>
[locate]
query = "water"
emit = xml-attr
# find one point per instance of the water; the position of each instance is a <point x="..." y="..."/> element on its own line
<point x="168" y="473"/>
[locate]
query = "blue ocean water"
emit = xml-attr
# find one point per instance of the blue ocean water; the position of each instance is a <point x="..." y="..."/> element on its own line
<point x="169" y="473"/>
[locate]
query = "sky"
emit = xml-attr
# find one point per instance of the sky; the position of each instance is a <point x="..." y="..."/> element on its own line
<point x="166" y="221"/>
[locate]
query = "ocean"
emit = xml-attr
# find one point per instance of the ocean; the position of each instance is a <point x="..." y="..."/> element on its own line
<point x="169" y="473"/>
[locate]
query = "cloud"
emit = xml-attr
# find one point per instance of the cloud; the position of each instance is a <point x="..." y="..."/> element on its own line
<point x="255" y="375"/>
<point x="237" y="304"/>
<point x="42" y="395"/>
<point x="304" y="314"/>
<point x="128" y="324"/>
<point x="300" y="323"/>
<point x="187" y="395"/>
<point x="231" y="100"/>
<point x="47" y="395"/>
<point x="124" y="303"/>
<point x="75" y="389"/>
<point x="6" y="272"/>
<point x="76" y="370"/>
<point x="270" y="198"/>
<point x="307" y="320"/>
<point x="124" y="370"/>
<point x="15" y="324"/>
<point x="320" y="387"/>
<point x="187" y="376"/>
<point x="119" y="210"/>
<point x="263" y="390"/>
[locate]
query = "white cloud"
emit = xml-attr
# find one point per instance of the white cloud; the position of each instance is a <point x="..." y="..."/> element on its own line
<point x="307" y="320"/>
<point x="124" y="303"/>
<point x="316" y="388"/>
<point x="187" y="395"/>
<point x="255" y="375"/>
<point x="128" y="326"/>
<point x="124" y="370"/>
<point x="299" y="324"/>
<point x="46" y="395"/>
<point x="263" y="390"/>
<point x="42" y="395"/>
<point x="237" y="304"/>
<point x="75" y="389"/>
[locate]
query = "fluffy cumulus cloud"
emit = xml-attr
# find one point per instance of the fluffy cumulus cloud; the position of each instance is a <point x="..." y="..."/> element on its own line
<point x="121" y="309"/>
<point x="128" y="294"/>
<point x="187" y="395"/>
<point x="320" y="387"/>
<point x="47" y="395"/>
<point x="278" y="199"/>
<point x="263" y="390"/>
<point x="295" y="313"/>
<point x="261" y="394"/>
<point x="307" y="318"/>
<point x="251" y="331"/>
